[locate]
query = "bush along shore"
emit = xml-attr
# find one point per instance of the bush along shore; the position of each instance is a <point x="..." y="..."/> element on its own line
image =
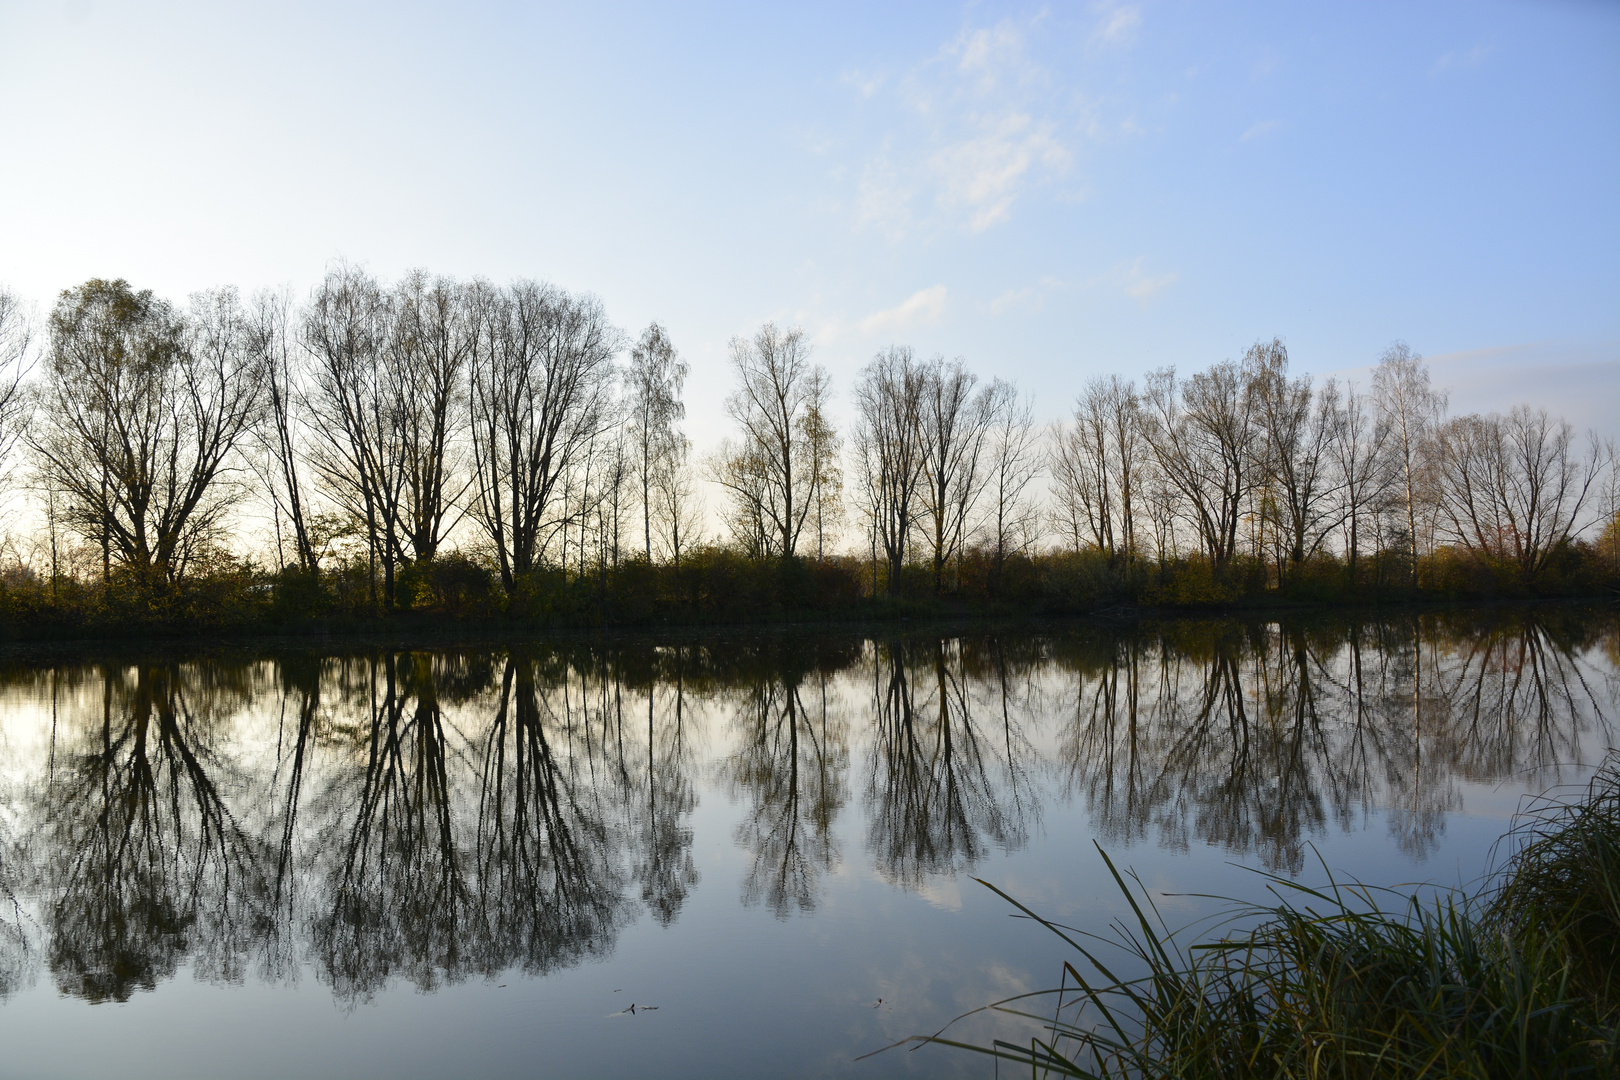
<point x="1518" y="979"/>
<point x="718" y="586"/>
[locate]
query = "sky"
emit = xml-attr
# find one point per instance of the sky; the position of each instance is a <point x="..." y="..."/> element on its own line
<point x="1050" y="192"/>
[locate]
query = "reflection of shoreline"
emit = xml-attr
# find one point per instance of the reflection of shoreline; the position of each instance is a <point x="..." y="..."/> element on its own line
<point x="431" y="817"/>
<point x="1256" y="738"/>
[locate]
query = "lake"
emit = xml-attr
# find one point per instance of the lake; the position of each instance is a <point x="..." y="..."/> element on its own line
<point x="473" y="860"/>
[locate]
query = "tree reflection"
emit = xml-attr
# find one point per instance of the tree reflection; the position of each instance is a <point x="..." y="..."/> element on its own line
<point x="549" y="881"/>
<point x="934" y="800"/>
<point x="17" y="948"/>
<point x="662" y="835"/>
<point x="432" y="817"/>
<point x="144" y="862"/>
<point x="395" y="896"/>
<point x="1256" y="738"/>
<point x="791" y="763"/>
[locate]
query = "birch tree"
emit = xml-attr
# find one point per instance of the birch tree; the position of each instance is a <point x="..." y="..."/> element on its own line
<point x="771" y="472"/>
<point x="654" y="380"/>
<point x="1410" y="409"/>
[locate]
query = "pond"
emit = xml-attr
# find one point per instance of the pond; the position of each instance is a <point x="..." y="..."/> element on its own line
<point x="475" y="860"/>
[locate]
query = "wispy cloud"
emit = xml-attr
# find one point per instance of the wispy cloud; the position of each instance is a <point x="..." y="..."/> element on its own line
<point x="1029" y="298"/>
<point x="1134" y="281"/>
<point x="865" y="83"/>
<point x="1260" y="130"/>
<point x="1144" y="288"/>
<point x="980" y="124"/>
<point x="1458" y="61"/>
<point x="1117" y="24"/>
<point x="992" y="56"/>
<point x="920" y="308"/>
<point x="983" y="173"/>
<point x="883" y="198"/>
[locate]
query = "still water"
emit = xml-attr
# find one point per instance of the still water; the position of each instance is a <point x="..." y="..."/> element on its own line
<point x="474" y="861"/>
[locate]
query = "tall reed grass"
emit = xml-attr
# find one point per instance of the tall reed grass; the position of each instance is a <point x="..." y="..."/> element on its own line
<point x="1518" y="979"/>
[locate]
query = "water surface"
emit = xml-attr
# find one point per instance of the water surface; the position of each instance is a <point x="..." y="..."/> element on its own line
<point x="476" y="860"/>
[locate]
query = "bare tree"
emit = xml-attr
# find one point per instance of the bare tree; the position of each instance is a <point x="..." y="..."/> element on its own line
<point x="1513" y="487"/>
<point x="542" y="376"/>
<point x="772" y="472"/>
<point x="1012" y="521"/>
<point x="16" y="360"/>
<point x="955" y="424"/>
<point x="1410" y="409"/>
<point x="1608" y="541"/>
<point x="825" y="447"/>
<point x="355" y="416"/>
<point x="1299" y="426"/>
<point x="142" y="410"/>
<point x="1081" y="510"/>
<point x="678" y="509"/>
<point x="268" y="334"/>
<point x="1360" y="447"/>
<point x="1096" y="468"/>
<point x="655" y="377"/>
<point x="428" y="353"/>
<point x="888" y="447"/>
<point x="1203" y="440"/>
<point x="742" y="470"/>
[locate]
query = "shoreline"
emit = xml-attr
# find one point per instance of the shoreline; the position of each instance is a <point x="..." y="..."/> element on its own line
<point x="437" y="633"/>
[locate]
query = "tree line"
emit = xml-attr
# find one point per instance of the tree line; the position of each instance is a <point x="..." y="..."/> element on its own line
<point x="396" y="433"/>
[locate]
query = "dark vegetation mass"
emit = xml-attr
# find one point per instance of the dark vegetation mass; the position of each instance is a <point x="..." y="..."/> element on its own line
<point x="434" y="452"/>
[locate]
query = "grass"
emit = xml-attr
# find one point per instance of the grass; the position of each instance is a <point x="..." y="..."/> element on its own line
<point x="1516" y="980"/>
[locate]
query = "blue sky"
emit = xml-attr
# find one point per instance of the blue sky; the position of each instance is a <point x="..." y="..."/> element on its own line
<point x="1047" y="191"/>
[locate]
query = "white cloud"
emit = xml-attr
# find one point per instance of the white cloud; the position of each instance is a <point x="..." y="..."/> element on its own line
<point x="978" y="125"/>
<point x="1136" y="283"/>
<point x="1118" y="24"/>
<point x="993" y="56"/>
<point x="921" y="307"/>
<point x="1010" y="299"/>
<point x="982" y="174"/>
<point x="1260" y="130"/>
<point x="1029" y="298"/>
<point x="866" y="84"/>
<point x="1144" y="288"/>
<point x="1454" y="61"/>
<point x="883" y="200"/>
